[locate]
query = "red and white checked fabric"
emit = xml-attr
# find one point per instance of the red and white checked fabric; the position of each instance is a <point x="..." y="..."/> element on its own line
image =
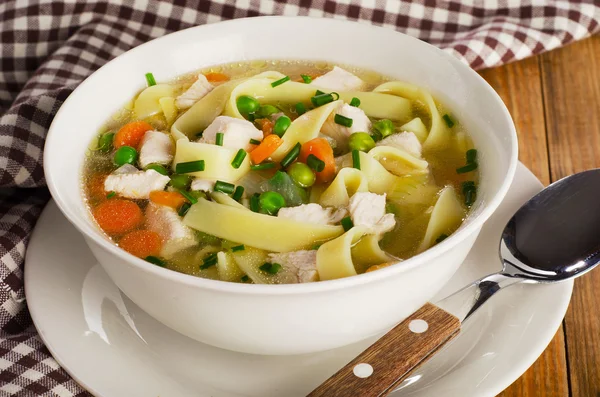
<point x="47" y="47"/>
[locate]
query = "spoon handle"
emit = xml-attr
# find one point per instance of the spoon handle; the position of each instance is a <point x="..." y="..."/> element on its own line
<point x="390" y="360"/>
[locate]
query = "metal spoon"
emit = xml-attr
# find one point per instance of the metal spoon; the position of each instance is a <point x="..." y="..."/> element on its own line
<point x="553" y="237"/>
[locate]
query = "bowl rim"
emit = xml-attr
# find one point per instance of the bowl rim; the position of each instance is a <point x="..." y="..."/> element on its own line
<point x="280" y="289"/>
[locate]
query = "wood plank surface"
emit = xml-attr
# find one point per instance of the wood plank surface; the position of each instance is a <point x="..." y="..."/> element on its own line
<point x="519" y="86"/>
<point x="571" y="87"/>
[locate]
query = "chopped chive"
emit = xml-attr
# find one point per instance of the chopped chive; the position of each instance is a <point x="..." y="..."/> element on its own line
<point x="355" y="102"/>
<point x="188" y="196"/>
<point x="184" y="209"/>
<point x="262" y="166"/>
<point x="300" y="108"/>
<point x="448" y="120"/>
<point x="237" y="248"/>
<point x="468" y="185"/>
<point x="238" y="159"/>
<point x="208" y="262"/>
<point x="307" y="79"/>
<point x="343" y="120"/>
<point x="471" y="156"/>
<point x="280" y="81"/>
<point x="150" y="79"/>
<point x="111" y="195"/>
<point x="237" y="194"/>
<point x="158" y="168"/>
<point x="255" y="202"/>
<point x="199" y="135"/>
<point x="347" y="223"/>
<point x="467" y="168"/>
<point x="291" y="156"/>
<point x="317" y="246"/>
<point x="254" y="142"/>
<point x="224" y="187"/>
<point x="189" y="166"/>
<point x="322" y="99"/>
<point x="219" y="139"/>
<point x="245" y="279"/>
<point x="315" y="163"/>
<point x="470" y="197"/>
<point x="356" y="159"/>
<point x="271" y="268"/>
<point x="156" y="261"/>
<point x="441" y="238"/>
<point x="319" y="92"/>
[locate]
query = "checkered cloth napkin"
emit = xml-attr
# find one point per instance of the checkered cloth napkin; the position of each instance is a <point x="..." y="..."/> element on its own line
<point x="48" y="47"/>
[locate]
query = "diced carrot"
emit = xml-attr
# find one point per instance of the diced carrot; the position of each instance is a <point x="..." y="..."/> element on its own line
<point x="377" y="267"/>
<point x="266" y="126"/>
<point x="323" y="151"/>
<point x="214" y="77"/>
<point x="141" y="243"/>
<point x="170" y="199"/>
<point x="131" y="134"/>
<point x="95" y="187"/>
<point x="265" y="149"/>
<point x="118" y="216"/>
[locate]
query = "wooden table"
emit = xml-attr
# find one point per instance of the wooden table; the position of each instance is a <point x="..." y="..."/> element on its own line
<point x="554" y="100"/>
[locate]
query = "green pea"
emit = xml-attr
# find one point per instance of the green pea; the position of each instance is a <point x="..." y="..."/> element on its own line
<point x="361" y="141"/>
<point x="181" y="182"/>
<point x="266" y="110"/>
<point x="281" y="125"/>
<point x="247" y="105"/>
<point x="105" y="142"/>
<point x="383" y="128"/>
<point x="158" y="168"/>
<point x="301" y="174"/>
<point x="271" y="202"/>
<point x="125" y="155"/>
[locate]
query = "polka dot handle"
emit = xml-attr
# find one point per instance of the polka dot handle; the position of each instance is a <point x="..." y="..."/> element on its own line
<point x="382" y="366"/>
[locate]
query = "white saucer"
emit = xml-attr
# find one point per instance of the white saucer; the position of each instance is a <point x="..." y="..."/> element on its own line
<point x="114" y="349"/>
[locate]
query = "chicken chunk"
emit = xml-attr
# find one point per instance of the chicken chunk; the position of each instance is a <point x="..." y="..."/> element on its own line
<point x="156" y="147"/>
<point x="312" y="213"/>
<point x="197" y="91"/>
<point x="297" y="266"/>
<point x="405" y="140"/>
<point x="339" y="79"/>
<point x="169" y="225"/>
<point x="236" y="132"/>
<point x="135" y="184"/>
<point x="368" y="209"/>
<point x="205" y="185"/>
<point x="360" y="123"/>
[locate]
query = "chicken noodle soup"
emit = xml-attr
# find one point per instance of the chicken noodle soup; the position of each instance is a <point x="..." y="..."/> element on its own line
<point x="280" y="172"/>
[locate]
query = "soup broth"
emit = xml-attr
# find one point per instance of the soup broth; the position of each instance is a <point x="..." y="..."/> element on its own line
<point x="280" y="172"/>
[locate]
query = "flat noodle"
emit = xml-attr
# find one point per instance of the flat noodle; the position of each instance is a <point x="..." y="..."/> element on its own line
<point x="203" y="112"/>
<point x="147" y="103"/>
<point x="217" y="160"/>
<point x="399" y="162"/>
<point x="304" y="128"/>
<point x="226" y="199"/>
<point x="334" y="258"/>
<point x="347" y="182"/>
<point x="227" y="268"/>
<point x="446" y="217"/>
<point x="439" y="135"/>
<point x="257" y="230"/>
<point x="249" y="261"/>
<point x="379" y="179"/>
<point x="367" y="253"/>
<point x="381" y="106"/>
<point x="417" y="127"/>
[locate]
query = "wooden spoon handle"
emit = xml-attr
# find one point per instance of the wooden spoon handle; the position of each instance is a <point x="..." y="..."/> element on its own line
<point x="377" y="370"/>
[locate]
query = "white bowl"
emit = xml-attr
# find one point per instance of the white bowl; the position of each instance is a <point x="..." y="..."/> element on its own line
<point x="283" y="319"/>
